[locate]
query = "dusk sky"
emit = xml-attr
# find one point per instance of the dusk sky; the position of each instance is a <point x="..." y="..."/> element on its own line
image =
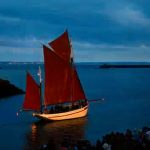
<point x="101" y="30"/>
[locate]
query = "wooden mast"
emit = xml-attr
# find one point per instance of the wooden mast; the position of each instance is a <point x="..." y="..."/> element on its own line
<point x="72" y="72"/>
<point x="40" y="88"/>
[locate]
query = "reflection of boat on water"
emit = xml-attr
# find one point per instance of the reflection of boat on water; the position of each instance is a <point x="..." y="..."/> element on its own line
<point x="62" y="83"/>
<point x="43" y="132"/>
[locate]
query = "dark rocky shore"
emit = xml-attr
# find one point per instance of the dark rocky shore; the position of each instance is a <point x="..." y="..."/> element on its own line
<point x="136" y="140"/>
<point x="7" y="89"/>
<point x="124" y="66"/>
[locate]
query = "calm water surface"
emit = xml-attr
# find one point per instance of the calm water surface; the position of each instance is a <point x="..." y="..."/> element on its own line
<point x="127" y="105"/>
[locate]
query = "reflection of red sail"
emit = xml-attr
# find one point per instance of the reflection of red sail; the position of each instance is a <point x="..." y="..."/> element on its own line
<point x="61" y="46"/>
<point x="57" y="78"/>
<point x="78" y="92"/>
<point x="32" y="96"/>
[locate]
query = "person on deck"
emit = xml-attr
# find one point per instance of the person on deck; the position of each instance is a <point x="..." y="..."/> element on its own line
<point x="55" y="107"/>
<point x="86" y="102"/>
<point x="52" y="110"/>
<point x="61" y="108"/>
<point x="72" y="107"/>
<point x="46" y="110"/>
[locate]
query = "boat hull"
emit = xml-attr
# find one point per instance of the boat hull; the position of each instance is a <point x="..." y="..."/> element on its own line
<point x="78" y="113"/>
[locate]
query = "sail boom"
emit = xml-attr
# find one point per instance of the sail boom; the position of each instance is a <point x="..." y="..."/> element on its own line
<point x="28" y="110"/>
<point x="95" y="100"/>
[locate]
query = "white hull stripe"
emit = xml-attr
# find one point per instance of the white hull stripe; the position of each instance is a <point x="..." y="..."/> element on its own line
<point x="69" y="114"/>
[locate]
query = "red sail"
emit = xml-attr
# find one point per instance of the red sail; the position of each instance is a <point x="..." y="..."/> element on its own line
<point x="57" y="78"/>
<point x="78" y="92"/>
<point x="32" y="96"/>
<point x="61" y="46"/>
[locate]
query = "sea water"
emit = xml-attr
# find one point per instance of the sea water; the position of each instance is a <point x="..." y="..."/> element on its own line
<point x="126" y="105"/>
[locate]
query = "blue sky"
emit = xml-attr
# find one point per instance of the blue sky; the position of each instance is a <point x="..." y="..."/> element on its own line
<point x="102" y="30"/>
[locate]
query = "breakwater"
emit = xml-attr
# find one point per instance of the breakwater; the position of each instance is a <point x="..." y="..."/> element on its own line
<point x="124" y="66"/>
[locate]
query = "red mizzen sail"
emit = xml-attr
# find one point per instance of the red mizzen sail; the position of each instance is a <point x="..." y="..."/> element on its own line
<point x="57" y="78"/>
<point x="61" y="46"/>
<point x="32" y="96"/>
<point x="78" y="92"/>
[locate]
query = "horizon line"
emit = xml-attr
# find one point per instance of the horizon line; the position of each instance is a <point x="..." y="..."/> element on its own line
<point x="75" y="62"/>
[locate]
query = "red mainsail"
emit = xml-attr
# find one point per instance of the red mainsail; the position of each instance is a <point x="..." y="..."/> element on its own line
<point x="61" y="46"/>
<point x="32" y="96"/>
<point x="57" y="78"/>
<point x="78" y="92"/>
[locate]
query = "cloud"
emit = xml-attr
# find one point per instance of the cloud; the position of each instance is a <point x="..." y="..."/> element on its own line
<point x="90" y="46"/>
<point x="133" y="54"/>
<point x="117" y="22"/>
<point x="20" y="54"/>
<point x="83" y="52"/>
<point x="125" y="14"/>
<point x="107" y="47"/>
<point x="33" y="43"/>
<point x="100" y="28"/>
<point x="9" y="19"/>
<point x="30" y="42"/>
<point x="128" y="16"/>
<point x="144" y="46"/>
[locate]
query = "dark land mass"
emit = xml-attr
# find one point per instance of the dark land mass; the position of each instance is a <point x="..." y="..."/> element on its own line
<point x="7" y="89"/>
<point x="124" y="66"/>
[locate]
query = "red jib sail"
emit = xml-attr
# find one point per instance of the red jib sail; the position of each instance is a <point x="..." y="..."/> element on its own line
<point x="78" y="92"/>
<point x="32" y="96"/>
<point x="57" y="78"/>
<point x="61" y="46"/>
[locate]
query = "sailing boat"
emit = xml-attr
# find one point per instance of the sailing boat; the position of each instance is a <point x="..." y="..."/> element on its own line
<point x="62" y="83"/>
